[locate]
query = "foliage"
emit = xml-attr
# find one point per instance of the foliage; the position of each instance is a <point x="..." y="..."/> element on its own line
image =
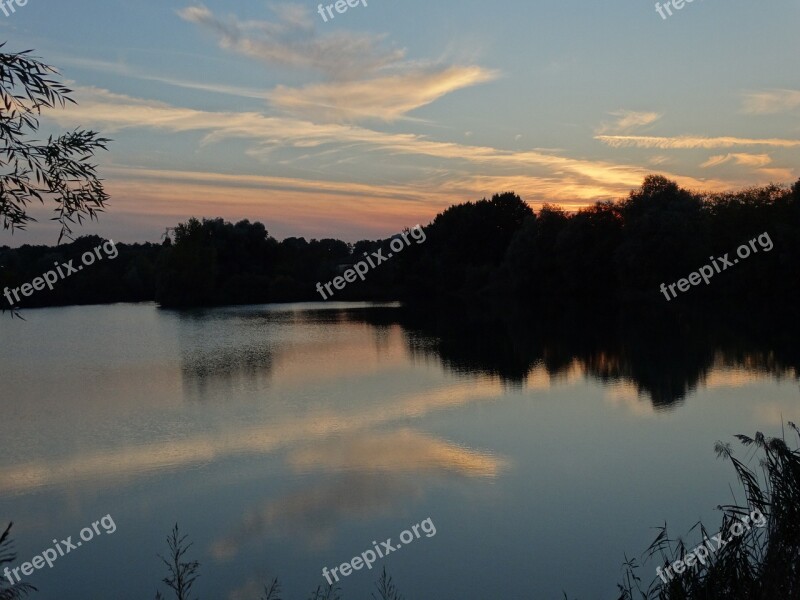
<point x="130" y="277"/>
<point x="386" y="588"/>
<point x="496" y="253"/>
<point x="19" y="590"/>
<point x="182" y="572"/>
<point x="58" y="169"/>
<point x="272" y="592"/>
<point x="328" y="592"/>
<point x="759" y="564"/>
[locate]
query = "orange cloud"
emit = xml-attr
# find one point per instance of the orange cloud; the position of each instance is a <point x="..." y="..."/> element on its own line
<point x="746" y="160"/>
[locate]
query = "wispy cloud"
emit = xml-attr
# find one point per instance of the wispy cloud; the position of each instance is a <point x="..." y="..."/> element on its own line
<point x="365" y="78"/>
<point x="757" y="162"/>
<point x="122" y="68"/>
<point x="627" y="121"/>
<point x="292" y="41"/>
<point x="386" y="98"/>
<point x="691" y="141"/>
<point x="771" y="102"/>
<point x="745" y="160"/>
<point x="269" y="134"/>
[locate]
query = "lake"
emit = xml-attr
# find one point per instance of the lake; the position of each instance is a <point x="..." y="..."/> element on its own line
<point x="287" y="438"/>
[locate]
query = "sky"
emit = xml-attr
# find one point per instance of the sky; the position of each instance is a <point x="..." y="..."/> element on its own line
<point x="358" y="125"/>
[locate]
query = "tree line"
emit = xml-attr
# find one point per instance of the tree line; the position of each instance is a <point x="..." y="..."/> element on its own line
<point x="494" y="251"/>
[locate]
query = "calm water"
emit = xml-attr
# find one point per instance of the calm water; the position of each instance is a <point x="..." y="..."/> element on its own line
<point x="287" y="438"/>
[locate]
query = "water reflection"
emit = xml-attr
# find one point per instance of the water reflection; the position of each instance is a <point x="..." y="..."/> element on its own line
<point x="220" y="348"/>
<point x="663" y="358"/>
<point x="372" y="475"/>
<point x="314" y="514"/>
<point x="251" y="353"/>
<point x="277" y="432"/>
<point x="107" y="466"/>
<point x="403" y="451"/>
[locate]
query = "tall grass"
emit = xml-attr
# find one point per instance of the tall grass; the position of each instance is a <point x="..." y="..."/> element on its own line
<point x="760" y="564"/>
<point x="7" y="556"/>
<point x="182" y="573"/>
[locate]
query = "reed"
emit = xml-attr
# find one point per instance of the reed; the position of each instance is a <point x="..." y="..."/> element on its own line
<point x="8" y="556"/>
<point x="762" y="563"/>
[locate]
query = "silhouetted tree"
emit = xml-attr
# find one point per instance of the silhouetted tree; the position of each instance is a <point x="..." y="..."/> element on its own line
<point x="532" y="271"/>
<point x="187" y="270"/>
<point x="130" y="277"/>
<point x="495" y="252"/>
<point x="31" y="170"/>
<point x="465" y="245"/>
<point x="663" y="235"/>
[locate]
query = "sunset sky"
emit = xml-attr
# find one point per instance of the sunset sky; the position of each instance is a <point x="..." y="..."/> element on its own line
<point x="383" y="116"/>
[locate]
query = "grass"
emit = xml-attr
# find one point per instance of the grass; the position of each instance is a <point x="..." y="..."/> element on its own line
<point x="760" y="564"/>
<point x="8" y="556"/>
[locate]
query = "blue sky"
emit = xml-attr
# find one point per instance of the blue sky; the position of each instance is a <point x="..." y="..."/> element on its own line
<point x="386" y="114"/>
